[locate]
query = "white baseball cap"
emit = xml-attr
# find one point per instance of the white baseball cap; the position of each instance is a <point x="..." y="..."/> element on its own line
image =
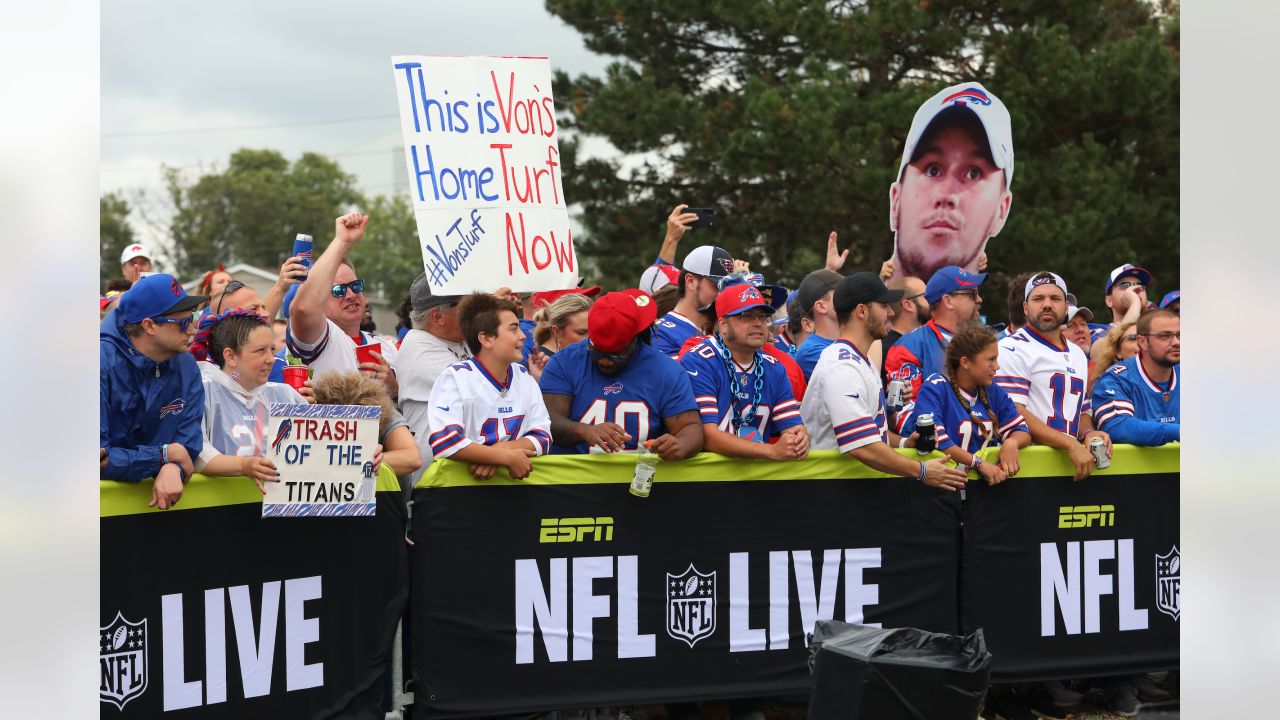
<point x="132" y="252"/>
<point x="982" y="103"/>
<point x="1045" y="278"/>
<point x="656" y="277"/>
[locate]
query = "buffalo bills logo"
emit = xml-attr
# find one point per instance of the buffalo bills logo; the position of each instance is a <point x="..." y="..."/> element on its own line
<point x="282" y="434"/>
<point x="613" y="389"/>
<point x="1043" y="280"/>
<point x="173" y="408"/>
<point x="906" y="372"/>
<point x="973" y="96"/>
<point x="175" y="288"/>
<point x="749" y="293"/>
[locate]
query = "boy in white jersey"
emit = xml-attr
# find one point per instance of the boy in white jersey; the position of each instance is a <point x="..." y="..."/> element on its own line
<point x="844" y="405"/>
<point x="488" y="411"/>
<point x="1045" y="375"/>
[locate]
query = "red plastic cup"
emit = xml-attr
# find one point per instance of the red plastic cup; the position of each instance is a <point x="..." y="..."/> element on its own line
<point x="295" y="376"/>
<point x="364" y="353"/>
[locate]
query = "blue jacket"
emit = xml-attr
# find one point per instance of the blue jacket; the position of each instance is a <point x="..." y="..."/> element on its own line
<point x="144" y="405"/>
<point x="1133" y="408"/>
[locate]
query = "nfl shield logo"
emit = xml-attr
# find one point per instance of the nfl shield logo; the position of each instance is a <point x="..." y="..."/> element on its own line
<point x="1169" y="583"/>
<point x="691" y="605"/>
<point x="122" y="655"/>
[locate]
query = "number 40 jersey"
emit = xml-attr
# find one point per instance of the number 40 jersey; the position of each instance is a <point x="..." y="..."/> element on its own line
<point x="651" y="387"/>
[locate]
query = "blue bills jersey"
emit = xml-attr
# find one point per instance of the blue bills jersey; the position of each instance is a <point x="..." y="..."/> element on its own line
<point x="1132" y="408"/>
<point x="671" y="331"/>
<point x="651" y="387"/>
<point x="953" y="422"/>
<point x="778" y="409"/>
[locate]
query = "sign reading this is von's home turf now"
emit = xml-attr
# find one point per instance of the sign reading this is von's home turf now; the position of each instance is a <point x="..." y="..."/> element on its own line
<point x="325" y="457"/>
<point x="481" y="148"/>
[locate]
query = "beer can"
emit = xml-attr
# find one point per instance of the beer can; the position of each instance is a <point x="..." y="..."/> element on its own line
<point x="302" y="249"/>
<point x="897" y="394"/>
<point x="1098" y="447"/>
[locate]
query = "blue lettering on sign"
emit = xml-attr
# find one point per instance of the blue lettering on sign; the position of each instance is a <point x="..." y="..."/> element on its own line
<point x="446" y="263"/>
<point x="450" y="183"/>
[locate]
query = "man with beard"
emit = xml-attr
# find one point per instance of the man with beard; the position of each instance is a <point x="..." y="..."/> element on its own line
<point x="844" y="405"/>
<point x="743" y="394"/>
<point x="704" y="266"/>
<point x="615" y="392"/>
<point x="1045" y="375"/>
<point x="911" y="312"/>
<point x="952" y="294"/>
<point x="325" y="316"/>
<point x="952" y="192"/>
<point x="1136" y="401"/>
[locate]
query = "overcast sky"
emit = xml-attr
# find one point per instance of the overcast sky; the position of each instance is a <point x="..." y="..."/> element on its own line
<point x="170" y="69"/>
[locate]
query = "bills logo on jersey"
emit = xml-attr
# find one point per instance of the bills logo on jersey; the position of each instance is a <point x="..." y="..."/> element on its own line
<point x="691" y="605"/>
<point x="973" y="96"/>
<point x="173" y="408"/>
<point x="613" y="389"/>
<point x="122" y="654"/>
<point x="908" y="371"/>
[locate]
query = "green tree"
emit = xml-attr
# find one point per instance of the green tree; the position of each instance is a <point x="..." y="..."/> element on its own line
<point x="251" y="211"/>
<point x="389" y="255"/>
<point x="114" y="234"/>
<point x="791" y="116"/>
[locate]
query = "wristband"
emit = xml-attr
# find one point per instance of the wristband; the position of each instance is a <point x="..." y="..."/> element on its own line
<point x="164" y="454"/>
<point x="902" y="442"/>
<point x="182" y="474"/>
<point x="977" y="462"/>
<point x="920" y="476"/>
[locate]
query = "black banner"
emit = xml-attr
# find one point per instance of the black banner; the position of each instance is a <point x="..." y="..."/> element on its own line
<point x="214" y="612"/>
<point x="1074" y="579"/>
<point x="576" y="594"/>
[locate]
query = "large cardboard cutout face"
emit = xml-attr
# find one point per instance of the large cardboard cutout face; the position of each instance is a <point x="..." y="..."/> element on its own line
<point x="952" y="195"/>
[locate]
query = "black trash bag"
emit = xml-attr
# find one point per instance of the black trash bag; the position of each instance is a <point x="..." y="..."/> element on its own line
<point x="862" y="672"/>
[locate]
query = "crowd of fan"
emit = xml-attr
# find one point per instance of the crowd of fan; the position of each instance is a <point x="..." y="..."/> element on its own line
<point x="704" y="356"/>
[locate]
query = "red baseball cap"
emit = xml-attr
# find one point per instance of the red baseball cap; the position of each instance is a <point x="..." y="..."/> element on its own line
<point x="547" y="297"/>
<point x="737" y="299"/>
<point x="617" y="317"/>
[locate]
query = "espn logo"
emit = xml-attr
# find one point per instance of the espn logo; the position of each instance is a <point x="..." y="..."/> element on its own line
<point x="565" y="530"/>
<point x="1086" y="516"/>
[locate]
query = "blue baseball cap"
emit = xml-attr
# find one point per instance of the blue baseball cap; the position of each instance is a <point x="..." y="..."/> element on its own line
<point x="1128" y="270"/>
<point x="156" y="295"/>
<point x="950" y="279"/>
<point x="1170" y="298"/>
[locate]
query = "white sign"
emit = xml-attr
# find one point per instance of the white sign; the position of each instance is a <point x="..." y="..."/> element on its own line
<point x="481" y="149"/>
<point x="324" y="455"/>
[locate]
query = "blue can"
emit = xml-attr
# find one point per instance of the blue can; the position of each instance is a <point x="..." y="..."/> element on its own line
<point x="302" y="249"/>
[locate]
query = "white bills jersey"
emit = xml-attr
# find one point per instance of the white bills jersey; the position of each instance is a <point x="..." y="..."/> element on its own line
<point x="235" y="420"/>
<point x="468" y="404"/>
<point x="1048" y="375"/>
<point x="844" y="405"/>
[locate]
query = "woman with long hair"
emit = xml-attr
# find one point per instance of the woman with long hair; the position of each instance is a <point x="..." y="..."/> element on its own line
<point x="561" y="324"/>
<point x="237" y="396"/>
<point x="969" y="410"/>
<point x="1120" y="343"/>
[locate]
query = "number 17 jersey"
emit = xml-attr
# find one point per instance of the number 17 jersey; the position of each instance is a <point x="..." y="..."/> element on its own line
<point x="1048" y="375"/>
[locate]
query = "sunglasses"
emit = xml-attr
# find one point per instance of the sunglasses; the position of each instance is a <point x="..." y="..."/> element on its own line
<point x="617" y="358"/>
<point x="231" y="287"/>
<point x="1125" y="284"/>
<point x="339" y="290"/>
<point x="1166" y="336"/>
<point x="183" y="323"/>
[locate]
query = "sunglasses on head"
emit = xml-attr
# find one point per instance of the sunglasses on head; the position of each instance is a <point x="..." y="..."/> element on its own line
<point x="231" y="287"/>
<point x="339" y="290"/>
<point x="183" y="322"/>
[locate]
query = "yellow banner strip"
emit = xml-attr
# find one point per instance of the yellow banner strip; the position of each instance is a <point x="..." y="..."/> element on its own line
<point x="202" y="491"/>
<point x="820" y="465"/>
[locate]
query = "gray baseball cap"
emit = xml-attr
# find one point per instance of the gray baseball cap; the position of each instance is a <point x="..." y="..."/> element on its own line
<point x="420" y="297"/>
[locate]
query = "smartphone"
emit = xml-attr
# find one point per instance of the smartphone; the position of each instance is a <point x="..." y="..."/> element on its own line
<point x="706" y="217"/>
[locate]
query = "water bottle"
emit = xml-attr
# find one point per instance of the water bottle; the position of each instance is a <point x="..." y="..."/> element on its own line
<point x="927" y="439"/>
<point x="646" y="467"/>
